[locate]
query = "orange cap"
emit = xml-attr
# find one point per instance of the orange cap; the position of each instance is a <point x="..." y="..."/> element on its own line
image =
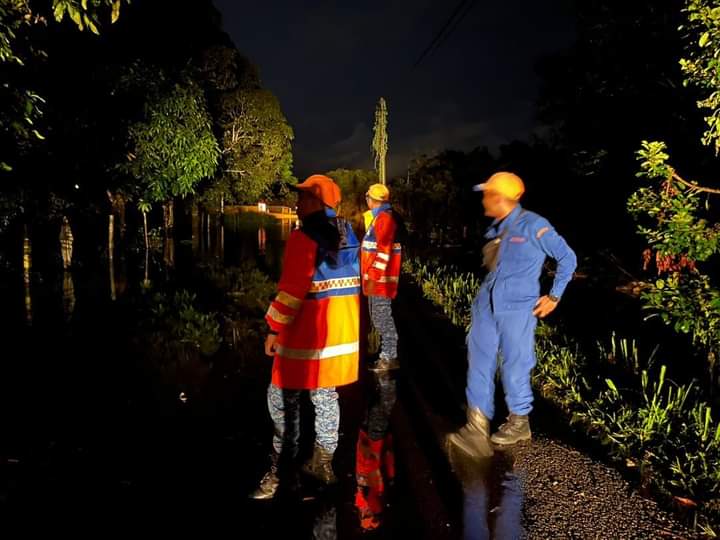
<point x="506" y="184"/>
<point x="323" y="188"/>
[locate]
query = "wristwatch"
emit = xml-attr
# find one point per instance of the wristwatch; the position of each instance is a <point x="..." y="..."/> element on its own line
<point x="553" y="298"/>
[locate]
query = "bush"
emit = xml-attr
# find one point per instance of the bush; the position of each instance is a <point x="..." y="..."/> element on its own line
<point x="175" y="324"/>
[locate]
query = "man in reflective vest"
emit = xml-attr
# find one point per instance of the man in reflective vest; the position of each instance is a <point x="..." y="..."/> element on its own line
<point x="505" y="312"/>
<point x="381" y="265"/>
<point x="314" y="331"/>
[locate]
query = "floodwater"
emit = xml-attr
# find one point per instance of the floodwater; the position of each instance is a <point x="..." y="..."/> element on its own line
<point x="97" y="424"/>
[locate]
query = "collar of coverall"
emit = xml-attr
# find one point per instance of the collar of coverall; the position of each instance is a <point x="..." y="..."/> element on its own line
<point x="499" y="225"/>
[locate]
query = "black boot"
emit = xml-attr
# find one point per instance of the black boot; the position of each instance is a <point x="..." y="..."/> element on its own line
<point x="320" y="466"/>
<point x="474" y="437"/>
<point x="270" y="482"/>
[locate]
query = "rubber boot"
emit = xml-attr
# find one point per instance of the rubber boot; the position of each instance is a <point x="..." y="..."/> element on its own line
<point x="270" y="482"/>
<point x="516" y="429"/>
<point x="474" y="437"/>
<point x="320" y="466"/>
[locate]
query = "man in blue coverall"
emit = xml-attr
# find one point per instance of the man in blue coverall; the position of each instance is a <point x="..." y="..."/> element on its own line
<point x="505" y="312"/>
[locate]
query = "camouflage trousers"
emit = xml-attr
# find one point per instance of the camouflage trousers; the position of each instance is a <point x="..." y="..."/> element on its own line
<point x="382" y="319"/>
<point x="284" y="407"/>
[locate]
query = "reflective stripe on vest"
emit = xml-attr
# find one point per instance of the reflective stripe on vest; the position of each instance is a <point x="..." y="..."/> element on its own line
<point x="318" y="354"/>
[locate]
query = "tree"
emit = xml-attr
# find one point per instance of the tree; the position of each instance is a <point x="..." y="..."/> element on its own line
<point x="173" y="147"/>
<point x="669" y="210"/>
<point x="21" y="106"/>
<point x="255" y="141"/>
<point x="254" y="135"/>
<point x="702" y="65"/>
<point x="380" y="139"/>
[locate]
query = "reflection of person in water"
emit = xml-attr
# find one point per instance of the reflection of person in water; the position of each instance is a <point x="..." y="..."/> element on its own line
<point x="488" y="513"/>
<point x="375" y="461"/>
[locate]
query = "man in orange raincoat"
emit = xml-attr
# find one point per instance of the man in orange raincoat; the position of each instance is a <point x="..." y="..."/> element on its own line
<point x="314" y="331"/>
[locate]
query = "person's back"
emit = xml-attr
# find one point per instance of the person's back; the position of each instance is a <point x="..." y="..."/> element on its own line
<point x="381" y="266"/>
<point x="314" y="332"/>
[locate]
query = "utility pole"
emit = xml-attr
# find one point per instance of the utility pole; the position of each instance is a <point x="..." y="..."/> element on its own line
<point x="380" y="139"/>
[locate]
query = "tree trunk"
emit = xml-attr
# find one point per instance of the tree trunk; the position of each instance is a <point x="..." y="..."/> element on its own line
<point x="196" y="229"/>
<point x="146" y="282"/>
<point x="121" y="212"/>
<point x="168" y="216"/>
<point x="111" y="258"/>
<point x="207" y="245"/>
<point x="145" y="227"/>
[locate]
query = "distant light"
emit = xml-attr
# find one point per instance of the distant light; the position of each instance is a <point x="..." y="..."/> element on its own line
<point x="77" y="186"/>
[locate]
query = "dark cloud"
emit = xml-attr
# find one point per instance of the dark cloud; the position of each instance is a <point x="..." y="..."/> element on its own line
<point x="329" y="63"/>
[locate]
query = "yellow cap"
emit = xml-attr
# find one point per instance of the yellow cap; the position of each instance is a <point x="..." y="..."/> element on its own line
<point x="506" y="184"/>
<point x="379" y="192"/>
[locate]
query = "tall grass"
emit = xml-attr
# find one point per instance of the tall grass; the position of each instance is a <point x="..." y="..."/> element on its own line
<point x="619" y="397"/>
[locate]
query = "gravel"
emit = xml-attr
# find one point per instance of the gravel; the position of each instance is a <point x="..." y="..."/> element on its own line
<point x="568" y="495"/>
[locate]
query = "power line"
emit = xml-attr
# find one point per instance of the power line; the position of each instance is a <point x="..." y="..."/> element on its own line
<point x="452" y="29"/>
<point x="439" y="35"/>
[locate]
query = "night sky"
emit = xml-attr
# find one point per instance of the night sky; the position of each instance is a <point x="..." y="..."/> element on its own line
<point x="329" y="62"/>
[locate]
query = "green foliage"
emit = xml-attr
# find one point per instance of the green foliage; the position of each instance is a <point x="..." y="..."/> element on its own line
<point x="701" y="67"/>
<point x="668" y="211"/>
<point x="175" y="323"/>
<point x="85" y="13"/>
<point x="446" y="287"/>
<point x="173" y="148"/>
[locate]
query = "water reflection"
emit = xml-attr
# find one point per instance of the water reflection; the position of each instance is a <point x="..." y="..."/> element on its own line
<point x="375" y="459"/>
<point x="66" y="243"/>
<point x="326" y="518"/>
<point x="169" y="251"/>
<point x="68" y="296"/>
<point x="27" y="267"/>
<point x="262" y="237"/>
<point x="492" y="496"/>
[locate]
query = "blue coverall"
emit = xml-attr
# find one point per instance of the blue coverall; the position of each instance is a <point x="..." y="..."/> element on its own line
<point x="502" y="313"/>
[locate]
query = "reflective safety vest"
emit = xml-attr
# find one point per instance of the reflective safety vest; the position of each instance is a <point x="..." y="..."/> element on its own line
<point x="316" y="314"/>
<point x="381" y="256"/>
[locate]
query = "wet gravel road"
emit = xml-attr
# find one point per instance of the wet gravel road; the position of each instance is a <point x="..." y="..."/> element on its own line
<point x="568" y="495"/>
